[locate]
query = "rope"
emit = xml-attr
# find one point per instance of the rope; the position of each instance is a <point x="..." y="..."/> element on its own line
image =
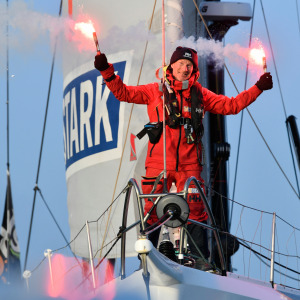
<point x="252" y="208"/>
<point x="241" y="122"/>
<point x="7" y="89"/>
<point x="41" y="147"/>
<point x="59" y="228"/>
<point x="267" y="258"/>
<point x="297" y="9"/>
<point x="8" y="199"/>
<point x="273" y="57"/>
<point x="127" y="130"/>
<point x="228" y="73"/>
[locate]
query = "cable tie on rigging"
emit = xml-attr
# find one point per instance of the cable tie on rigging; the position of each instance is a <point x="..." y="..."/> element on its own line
<point x="129" y="185"/>
<point x="121" y="231"/>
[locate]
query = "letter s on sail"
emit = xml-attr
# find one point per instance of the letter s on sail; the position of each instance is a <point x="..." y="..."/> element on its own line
<point x="92" y="116"/>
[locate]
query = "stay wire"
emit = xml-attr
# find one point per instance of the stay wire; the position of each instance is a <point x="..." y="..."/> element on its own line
<point x="281" y="95"/>
<point x="82" y="228"/>
<point x="260" y="256"/>
<point x="254" y="122"/>
<point x="7" y="199"/>
<point x="58" y="226"/>
<point x="41" y="147"/>
<point x="297" y="9"/>
<point x="99" y="263"/>
<point x="241" y="121"/>
<point x="252" y="208"/>
<point x="7" y="86"/>
<point x="127" y="130"/>
<point x="273" y="58"/>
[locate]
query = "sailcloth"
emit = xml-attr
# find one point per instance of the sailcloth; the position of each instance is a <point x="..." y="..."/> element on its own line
<point x="10" y="268"/>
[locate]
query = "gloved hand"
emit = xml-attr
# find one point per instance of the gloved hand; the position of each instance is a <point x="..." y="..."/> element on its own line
<point x="265" y="82"/>
<point x="100" y="62"/>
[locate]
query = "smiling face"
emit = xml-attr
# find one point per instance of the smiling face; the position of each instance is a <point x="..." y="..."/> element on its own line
<point x="182" y="69"/>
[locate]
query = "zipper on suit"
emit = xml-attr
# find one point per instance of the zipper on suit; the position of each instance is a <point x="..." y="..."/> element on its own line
<point x="178" y="145"/>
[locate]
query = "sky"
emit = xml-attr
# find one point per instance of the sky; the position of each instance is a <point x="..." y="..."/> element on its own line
<point x="260" y="183"/>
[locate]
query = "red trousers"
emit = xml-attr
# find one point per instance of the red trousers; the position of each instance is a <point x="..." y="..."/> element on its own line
<point x="196" y="205"/>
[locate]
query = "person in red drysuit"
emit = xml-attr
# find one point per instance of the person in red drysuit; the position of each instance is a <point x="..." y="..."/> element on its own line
<point x="183" y="148"/>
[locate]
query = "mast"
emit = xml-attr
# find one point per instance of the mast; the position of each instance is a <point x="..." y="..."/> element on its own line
<point x="174" y="32"/>
<point x="216" y="146"/>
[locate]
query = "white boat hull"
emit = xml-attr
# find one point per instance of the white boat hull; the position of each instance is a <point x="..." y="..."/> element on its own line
<point x="169" y="280"/>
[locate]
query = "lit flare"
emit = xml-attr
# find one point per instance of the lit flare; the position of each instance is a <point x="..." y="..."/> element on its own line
<point x="264" y="64"/>
<point x="96" y="42"/>
<point x="86" y="28"/>
<point x="258" y="57"/>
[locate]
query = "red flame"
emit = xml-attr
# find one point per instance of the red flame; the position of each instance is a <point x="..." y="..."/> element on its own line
<point x="72" y="279"/>
<point x="256" y="56"/>
<point x="86" y="28"/>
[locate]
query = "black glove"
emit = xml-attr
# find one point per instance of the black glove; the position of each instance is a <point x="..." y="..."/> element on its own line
<point x="265" y="82"/>
<point x="100" y="62"/>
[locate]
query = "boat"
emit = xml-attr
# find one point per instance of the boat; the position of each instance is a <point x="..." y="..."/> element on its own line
<point x="104" y="163"/>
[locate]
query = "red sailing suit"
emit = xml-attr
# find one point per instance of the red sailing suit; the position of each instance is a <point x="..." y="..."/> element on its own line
<point x="181" y="158"/>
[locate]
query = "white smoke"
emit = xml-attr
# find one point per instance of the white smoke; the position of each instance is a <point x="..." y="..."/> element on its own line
<point x="28" y="28"/>
<point x="215" y="51"/>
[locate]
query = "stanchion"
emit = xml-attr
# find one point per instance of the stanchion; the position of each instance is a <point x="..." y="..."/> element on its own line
<point x="91" y="253"/>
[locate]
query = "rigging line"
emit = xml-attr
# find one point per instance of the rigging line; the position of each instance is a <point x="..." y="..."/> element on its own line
<point x="287" y="223"/>
<point x="88" y="275"/>
<point x="273" y="58"/>
<point x="265" y="248"/>
<point x="296" y="251"/>
<point x="243" y="205"/>
<point x="7" y="87"/>
<point x="199" y="251"/>
<point x="259" y="222"/>
<point x="69" y="243"/>
<point x="286" y="245"/>
<point x="284" y="174"/>
<point x="258" y="245"/>
<point x="260" y="256"/>
<point x="297" y="9"/>
<point x="34" y="269"/>
<point x="266" y="212"/>
<point x="7" y="198"/>
<point x="241" y="121"/>
<point x="249" y="207"/>
<point x="42" y="143"/>
<point x="53" y="217"/>
<point x="127" y="130"/>
<point x="55" y="221"/>
<point x="228" y="73"/>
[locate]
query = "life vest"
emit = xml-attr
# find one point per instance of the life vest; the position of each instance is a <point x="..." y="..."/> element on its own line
<point x="175" y="119"/>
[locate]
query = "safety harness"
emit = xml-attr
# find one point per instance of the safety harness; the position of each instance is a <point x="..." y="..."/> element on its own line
<point x="175" y="119"/>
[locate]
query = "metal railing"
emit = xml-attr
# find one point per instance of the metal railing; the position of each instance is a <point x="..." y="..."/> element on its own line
<point x="132" y="184"/>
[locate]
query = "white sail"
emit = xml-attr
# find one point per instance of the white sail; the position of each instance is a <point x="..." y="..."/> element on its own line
<point x="96" y="124"/>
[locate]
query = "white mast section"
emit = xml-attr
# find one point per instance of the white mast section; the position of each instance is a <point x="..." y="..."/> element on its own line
<point x="164" y="109"/>
<point x="174" y="21"/>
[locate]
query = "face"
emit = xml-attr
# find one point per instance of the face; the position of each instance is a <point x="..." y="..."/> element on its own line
<point x="182" y="69"/>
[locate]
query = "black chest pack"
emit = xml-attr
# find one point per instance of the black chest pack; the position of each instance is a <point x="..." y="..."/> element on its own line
<point x="175" y="119"/>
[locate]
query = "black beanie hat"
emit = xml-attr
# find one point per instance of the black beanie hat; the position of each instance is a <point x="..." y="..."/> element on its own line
<point x="185" y="53"/>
